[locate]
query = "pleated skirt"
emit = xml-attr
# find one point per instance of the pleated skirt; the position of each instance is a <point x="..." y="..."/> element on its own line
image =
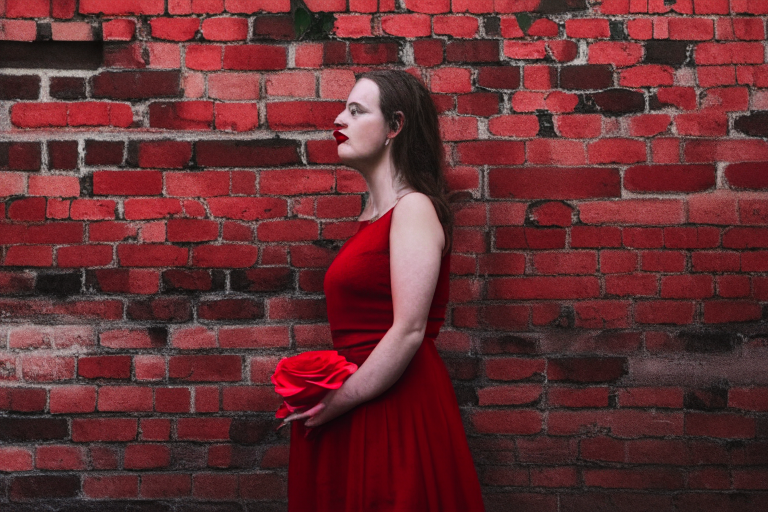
<point x="404" y="451"/>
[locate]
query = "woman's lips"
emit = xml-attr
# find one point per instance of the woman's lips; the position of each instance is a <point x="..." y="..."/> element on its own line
<point x="340" y="137"/>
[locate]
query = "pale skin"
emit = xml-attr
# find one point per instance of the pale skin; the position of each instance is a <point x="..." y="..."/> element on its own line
<point x="416" y="241"/>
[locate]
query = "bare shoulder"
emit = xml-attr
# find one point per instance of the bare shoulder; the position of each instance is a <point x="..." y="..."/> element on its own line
<point x="414" y="207"/>
<point x="415" y="217"/>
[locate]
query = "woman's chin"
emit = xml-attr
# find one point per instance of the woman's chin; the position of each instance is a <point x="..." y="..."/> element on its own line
<point x="344" y="156"/>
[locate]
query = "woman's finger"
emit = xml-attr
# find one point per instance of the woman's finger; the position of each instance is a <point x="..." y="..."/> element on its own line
<point x="316" y="409"/>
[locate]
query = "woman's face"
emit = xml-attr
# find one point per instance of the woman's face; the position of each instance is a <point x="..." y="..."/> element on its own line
<point x="363" y="125"/>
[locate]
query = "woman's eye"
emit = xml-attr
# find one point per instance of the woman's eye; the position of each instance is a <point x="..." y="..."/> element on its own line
<point x="353" y="110"/>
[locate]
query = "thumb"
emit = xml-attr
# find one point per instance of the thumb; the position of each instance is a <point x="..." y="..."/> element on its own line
<point x="316" y="409"/>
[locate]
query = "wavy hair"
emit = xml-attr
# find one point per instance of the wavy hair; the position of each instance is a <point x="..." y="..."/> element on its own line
<point x="417" y="151"/>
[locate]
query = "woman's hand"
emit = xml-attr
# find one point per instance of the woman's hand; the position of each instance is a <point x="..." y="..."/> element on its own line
<point x="329" y="408"/>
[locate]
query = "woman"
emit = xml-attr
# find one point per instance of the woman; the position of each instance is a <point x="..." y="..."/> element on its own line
<point x="391" y="438"/>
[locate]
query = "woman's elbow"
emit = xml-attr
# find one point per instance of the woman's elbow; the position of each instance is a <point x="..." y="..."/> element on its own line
<point x="411" y="334"/>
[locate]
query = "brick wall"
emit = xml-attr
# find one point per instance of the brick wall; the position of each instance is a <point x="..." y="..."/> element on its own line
<point x="170" y="199"/>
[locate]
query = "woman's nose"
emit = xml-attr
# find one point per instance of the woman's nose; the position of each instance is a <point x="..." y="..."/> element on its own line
<point x="337" y="122"/>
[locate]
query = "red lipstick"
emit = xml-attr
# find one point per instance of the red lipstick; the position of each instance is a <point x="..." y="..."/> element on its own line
<point x="340" y="137"/>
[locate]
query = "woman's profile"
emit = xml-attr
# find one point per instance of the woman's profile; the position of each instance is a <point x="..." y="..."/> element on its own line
<point x="391" y="437"/>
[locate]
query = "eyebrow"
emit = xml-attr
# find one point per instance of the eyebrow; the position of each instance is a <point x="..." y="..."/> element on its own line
<point x="355" y="103"/>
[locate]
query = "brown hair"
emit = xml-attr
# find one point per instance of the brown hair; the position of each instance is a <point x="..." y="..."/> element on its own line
<point x="417" y="151"/>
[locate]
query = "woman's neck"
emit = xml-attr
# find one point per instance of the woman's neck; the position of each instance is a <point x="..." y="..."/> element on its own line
<point x="384" y="193"/>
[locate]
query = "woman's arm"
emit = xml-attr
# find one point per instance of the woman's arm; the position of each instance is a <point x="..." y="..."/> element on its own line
<point x="416" y="243"/>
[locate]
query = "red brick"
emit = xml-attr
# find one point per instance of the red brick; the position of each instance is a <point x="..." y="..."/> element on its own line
<point x="111" y="486"/>
<point x="407" y="25"/>
<point x="622" y="423"/>
<point x="551" y="213"/>
<point x="155" y="429"/>
<point x="127" y="183"/>
<point x="530" y="238"/>
<point x="682" y="97"/>
<point x="723" y="311"/>
<point x="716" y="261"/>
<point x="729" y="53"/>
<point x="505" y="77"/>
<point x="60" y="457"/>
<point x="618" y="262"/>
<point x="72" y="399"/>
<point x="509" y="395"/>
<point x="745" y="238"/>
<point x="631" y="285"/>
<point x="165" y="485"/>
<point x="749" y="175"/>
<point x="589" y="236"/>
<point x="533" y="50"/>
<point x="729" y="426"/>
<point x="618" y="53"/>
<point x="651" y="397"/>
<point x="554" y="183"/>
<point x="262" y="486"/>
<point x="15" y="459"/>
<point x="579" y="126"/>
<point x="104" y="429"/>
<point x="507" y="422"/>
<point x="602" y="449"/>
<point x="588" y="397"/>
<point x="203" y="429"/>
<point x="250" y="398"/>
<point x="633" y="211"/>
<point x="616" y="150"/>
<point x="754" y="261"/>
<point x="303" y="115"/>
<point x="450" y="80"/>
<point x="40" y="368"/>
<point x="255" y="57"/>
<point x="456" y="26"/>
<point x="731" y="286"/>
<point x="589" y="28"/>
<point x="691" y="29"/>
<point x="125" y="398"/>
<point x="577" y="262"/>
<point x="104" y="367"/>
<point x="664" y="312"/>
<point x="633" y="478"/>
<point x="181" y="115"/>
<point x="750" y="399"/>
<point x="702" y="123"/>
<point x="152" y="255"/>
<point x="206" y="368"/>
<point x="556" y="152"/>
<point x="428" y="52"/>
<point x="586" y="369"/>
<point x="172" y="400"/>
<point x="225" y="29"/>
<point x="146" y="456"/>
<point x="514" y="125"/>
<point x="662" y="261"/>
<point x="691" y="238"/>
<point x="604" y="314"/>
<point x="687" y="287"/>
<point x="543" y="288"/>
<point x="514" y="368"/>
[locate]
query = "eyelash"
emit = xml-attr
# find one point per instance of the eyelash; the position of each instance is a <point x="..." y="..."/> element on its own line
<point x="353" y="110"/>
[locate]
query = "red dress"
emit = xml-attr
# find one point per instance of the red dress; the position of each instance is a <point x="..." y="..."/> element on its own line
<point x="405" y="450"/>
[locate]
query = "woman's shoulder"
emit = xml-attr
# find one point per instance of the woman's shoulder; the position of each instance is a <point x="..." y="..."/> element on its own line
<point x="415" y="211"/>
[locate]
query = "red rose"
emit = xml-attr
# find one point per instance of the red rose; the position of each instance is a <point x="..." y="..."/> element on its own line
<point x="304" y="379"/>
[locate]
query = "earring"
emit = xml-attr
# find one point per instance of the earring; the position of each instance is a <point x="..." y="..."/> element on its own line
<point x="387" y="143"/>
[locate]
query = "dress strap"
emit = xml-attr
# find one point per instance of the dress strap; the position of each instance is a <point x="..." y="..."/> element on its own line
<point x="370" y="221"/>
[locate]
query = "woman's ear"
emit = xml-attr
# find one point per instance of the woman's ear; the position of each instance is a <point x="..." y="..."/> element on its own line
<point x="397" y="123"/>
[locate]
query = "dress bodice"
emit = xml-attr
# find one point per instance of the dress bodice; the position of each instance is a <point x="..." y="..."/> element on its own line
<point x="358" y="292"/>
